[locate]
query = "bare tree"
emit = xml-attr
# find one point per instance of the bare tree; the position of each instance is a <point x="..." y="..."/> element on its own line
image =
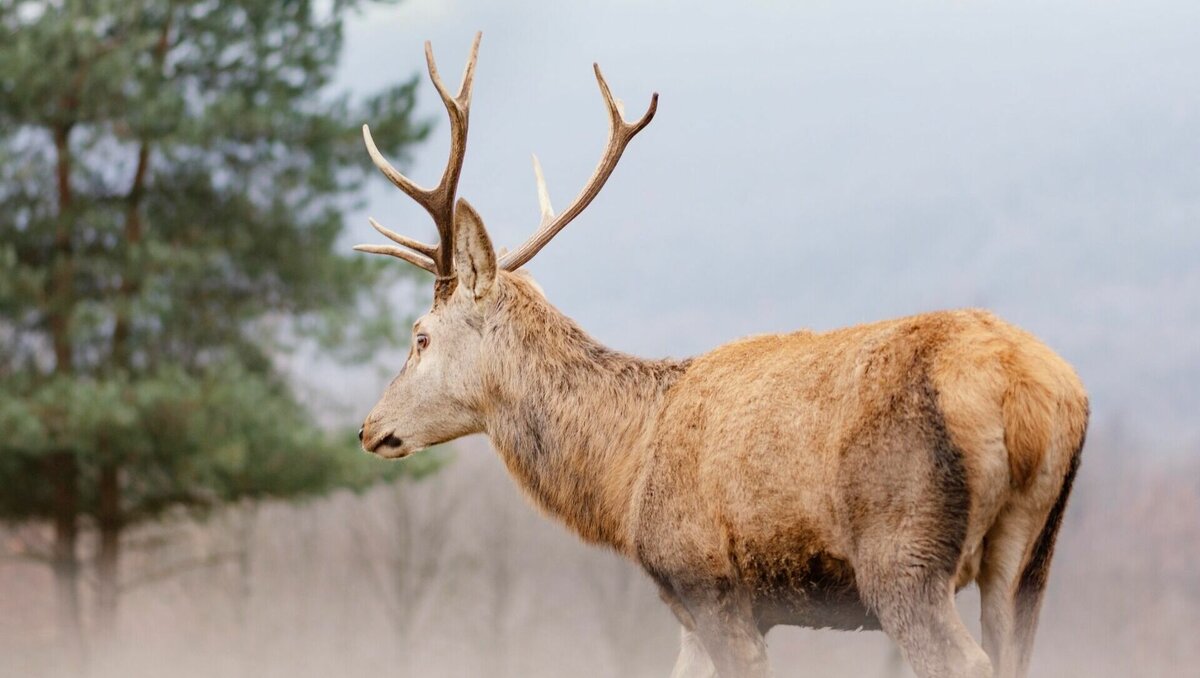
<point x="404" y="546"/>
<point x="625" y="607"/>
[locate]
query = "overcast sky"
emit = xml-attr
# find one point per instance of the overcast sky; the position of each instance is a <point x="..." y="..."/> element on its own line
<point x="827" y="163"/>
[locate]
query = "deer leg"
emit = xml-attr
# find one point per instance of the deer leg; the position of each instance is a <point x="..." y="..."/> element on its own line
<point x="1012" y="576"/>
<point x="693" y="661"/>
<point x="726" y="626"/>
<point x="919" y="614"/>
<point x="894" y="666"/>
<point x="1006" y="544"/>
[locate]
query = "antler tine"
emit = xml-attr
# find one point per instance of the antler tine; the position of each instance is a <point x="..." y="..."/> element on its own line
<point x="393" y="251"/>
<point x="427" y="250"/>
<point x="437" y="201"/>
<point x="620" y="133"/>
<point x="402" y="182"/>
<point x="616" y="111"/>
<point x="543" y="193"/>
<point x="463" y="98"/>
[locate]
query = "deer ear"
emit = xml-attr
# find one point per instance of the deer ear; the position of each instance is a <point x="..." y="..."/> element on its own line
<point x="474" y="259"/>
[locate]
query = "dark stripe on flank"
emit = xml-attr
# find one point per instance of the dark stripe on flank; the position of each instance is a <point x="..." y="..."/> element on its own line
<point x="949" y="481"/>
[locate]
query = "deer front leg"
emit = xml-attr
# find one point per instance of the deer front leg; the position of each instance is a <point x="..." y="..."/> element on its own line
<point x="725" y="625"/>
<point x="693" y="661"/>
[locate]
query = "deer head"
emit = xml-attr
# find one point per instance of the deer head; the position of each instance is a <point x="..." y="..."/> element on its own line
<point x="439" y="394"/>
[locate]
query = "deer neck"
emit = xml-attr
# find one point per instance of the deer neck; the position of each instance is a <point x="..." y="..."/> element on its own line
<point x="572" y="419"/>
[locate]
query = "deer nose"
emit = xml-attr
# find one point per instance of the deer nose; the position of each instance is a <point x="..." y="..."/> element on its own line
<point x="360" y="433"/>
<point x="390" y="440"/>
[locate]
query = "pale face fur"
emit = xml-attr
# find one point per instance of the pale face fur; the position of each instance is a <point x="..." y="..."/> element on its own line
<point x="435" y="397"/>
<point x="438" y="394"/>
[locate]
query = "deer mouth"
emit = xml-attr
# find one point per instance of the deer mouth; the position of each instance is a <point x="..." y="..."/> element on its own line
<point x="389" y="446"/>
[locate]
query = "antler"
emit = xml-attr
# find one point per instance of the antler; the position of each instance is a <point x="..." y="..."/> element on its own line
<point x="439" y="200"/>
<point x="619" y="134"/>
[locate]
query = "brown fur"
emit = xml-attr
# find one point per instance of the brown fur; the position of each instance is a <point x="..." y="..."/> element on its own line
<point x="851" y="479"/>
<point x="835" y="479"/>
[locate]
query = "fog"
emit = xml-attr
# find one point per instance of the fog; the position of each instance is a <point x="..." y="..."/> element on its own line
<point x="820" y="164"/>
<point x="811" y="165"/>
<point x="456" y="575"/>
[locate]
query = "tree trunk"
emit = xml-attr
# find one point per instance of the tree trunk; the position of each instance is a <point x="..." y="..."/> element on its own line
<point x="63" y="269"/>
<point x="109" y="524"/>
<point x="63" y="473"/>
<point x="61" y="467"/>
<point x="109" y="520"/>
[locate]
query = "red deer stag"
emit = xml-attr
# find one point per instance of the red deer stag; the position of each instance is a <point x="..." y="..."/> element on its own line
<point x="848" y="479"/>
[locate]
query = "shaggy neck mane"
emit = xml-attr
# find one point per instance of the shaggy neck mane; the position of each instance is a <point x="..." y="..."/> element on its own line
<point x="569" y="416"/>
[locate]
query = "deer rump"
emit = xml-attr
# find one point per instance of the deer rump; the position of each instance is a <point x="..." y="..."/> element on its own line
<point x="781" y="462"/>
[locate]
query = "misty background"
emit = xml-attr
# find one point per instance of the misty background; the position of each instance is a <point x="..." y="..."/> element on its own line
<point x="820" y="164"/>
<point x="813" y="164"/>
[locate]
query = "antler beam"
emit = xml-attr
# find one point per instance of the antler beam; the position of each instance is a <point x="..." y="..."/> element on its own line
<point x="439" y="200"/>
<point x="620" y="133"/>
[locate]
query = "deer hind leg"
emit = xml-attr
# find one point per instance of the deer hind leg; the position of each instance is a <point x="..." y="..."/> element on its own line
<point x="1012" y="576"/>
<point x="917" y="610"/>
<point x="906" y="571"/>
<point x="908" y="509"/>
<point x="999" y="573"/>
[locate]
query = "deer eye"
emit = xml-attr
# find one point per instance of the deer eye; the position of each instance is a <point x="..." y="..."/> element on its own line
<point x="422" y="341"/>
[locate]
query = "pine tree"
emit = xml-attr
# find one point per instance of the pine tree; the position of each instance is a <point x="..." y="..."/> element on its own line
<point x="173" y="176"/>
